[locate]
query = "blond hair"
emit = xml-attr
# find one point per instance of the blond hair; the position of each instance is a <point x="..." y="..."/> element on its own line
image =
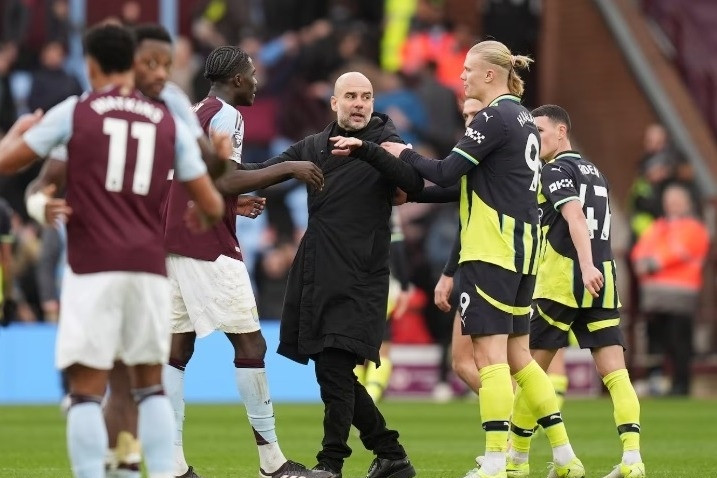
<point x="496" y="53"/>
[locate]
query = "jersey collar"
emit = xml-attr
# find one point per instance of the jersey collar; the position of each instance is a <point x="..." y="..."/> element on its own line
<point x="505" y="97"/>
<point x="567" y="154"/>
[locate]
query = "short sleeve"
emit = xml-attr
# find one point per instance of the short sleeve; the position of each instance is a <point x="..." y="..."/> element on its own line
<point x="58" y="152"/>
<point x="228" y="120"/>
<point x="55" y="128"/>
<point x="180" y="106"/>
<point x="485" y="134"/>
<point x="188" y="164"/>
<point x="558" y="184"/>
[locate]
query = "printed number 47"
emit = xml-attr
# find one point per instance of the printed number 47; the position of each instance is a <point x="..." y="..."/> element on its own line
<point x="532" y="157"/>
<point x="600" y="191"/>
<point x="145" y="134"/>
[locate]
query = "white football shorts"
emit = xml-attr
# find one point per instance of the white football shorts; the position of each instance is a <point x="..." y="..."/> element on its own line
<point x="108" y="316"/>
<point x="208" y="296"/>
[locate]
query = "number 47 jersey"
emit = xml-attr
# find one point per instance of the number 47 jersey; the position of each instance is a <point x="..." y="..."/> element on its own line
<point x="570" y="177"/>
<point x="120" y="148"/>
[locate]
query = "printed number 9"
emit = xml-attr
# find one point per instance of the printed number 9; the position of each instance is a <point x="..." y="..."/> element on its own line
<point x="532" y="157"/>
<point x="464" y="301"/>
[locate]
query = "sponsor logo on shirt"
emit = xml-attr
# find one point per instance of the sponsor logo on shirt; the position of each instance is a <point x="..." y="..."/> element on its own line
<point x="561" y="183"/>
<point x="474" y="135"/>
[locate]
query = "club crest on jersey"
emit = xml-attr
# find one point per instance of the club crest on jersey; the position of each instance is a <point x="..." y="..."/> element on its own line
<point x="560" y="183"/>
<point x="474" y="135"/>
<point x="236" y="140"/>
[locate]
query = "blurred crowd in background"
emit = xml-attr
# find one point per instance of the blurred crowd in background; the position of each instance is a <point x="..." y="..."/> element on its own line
<point x="413" y="53"/>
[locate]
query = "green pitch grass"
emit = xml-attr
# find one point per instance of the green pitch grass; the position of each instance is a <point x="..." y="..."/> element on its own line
<point x="679" y="439"/>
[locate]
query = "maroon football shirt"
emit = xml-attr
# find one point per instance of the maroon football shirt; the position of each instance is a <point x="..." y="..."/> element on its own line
<point x="119" y="155"/>
<point x="221" y="238"/>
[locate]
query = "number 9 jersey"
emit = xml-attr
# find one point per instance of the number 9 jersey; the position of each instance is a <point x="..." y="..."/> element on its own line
<point x="498" y="206"/>
<point x="570" y="177"/>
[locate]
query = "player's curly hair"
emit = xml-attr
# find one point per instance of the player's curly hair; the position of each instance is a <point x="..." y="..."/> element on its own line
<point x="496" y="53"/>
<point x="225" y="62"/>
<point x="112" y="46"/>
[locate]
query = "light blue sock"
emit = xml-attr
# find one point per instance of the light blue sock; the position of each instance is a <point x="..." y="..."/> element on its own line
<point x="254" y="392"/>
<point x="173" y="379"/>
<point x="87" y="440"/>
<point x="155" y="430"/>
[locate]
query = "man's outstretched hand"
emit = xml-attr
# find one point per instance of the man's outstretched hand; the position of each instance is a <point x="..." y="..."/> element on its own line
<point x="343" y="146"/>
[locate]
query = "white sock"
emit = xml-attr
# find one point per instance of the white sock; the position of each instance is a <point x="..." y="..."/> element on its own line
<point x="630" y="457"/>
<point x="155" y="430"/>
<point x="87" y="440"/>
<point x="517" y="457"/>
<point x="254" y="391"/>
<point x="563" y="454"/>
<point x="493" y="462"/>
<point x="173" y="380"/>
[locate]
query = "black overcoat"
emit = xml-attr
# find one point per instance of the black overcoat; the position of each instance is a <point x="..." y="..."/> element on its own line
<point x="338" y="284"/>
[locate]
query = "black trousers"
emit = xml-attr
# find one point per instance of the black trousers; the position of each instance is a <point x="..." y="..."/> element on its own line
<point x="671" y="334"/>
<point x="347" y="403"/>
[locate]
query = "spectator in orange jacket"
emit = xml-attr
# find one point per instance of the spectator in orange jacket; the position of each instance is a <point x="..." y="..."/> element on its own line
<point x="668" y="259"/>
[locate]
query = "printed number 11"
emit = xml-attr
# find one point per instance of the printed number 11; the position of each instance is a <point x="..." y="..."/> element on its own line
<point x="145" y="134"/>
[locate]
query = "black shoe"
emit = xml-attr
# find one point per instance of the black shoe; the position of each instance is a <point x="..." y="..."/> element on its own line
<point x="189" y="474"/>
<point x="384" y="468"/>
<point x="328" y="469"/>
<point x="292" y="469"/>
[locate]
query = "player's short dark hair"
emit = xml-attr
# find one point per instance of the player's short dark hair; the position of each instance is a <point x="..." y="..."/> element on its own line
<point x="555" y="113"/>
<point x="112" y="46"/>
<point x="225" y="62"/>
<point x="151" y="31"/>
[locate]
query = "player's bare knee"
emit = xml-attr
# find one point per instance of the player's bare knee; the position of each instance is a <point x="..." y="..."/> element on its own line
<point x="181" y="350"/>
<point x="250" y="346"/>
<point x="144" y="376"/>
<point x="608" y="359"/>
<point x="86" y="381"/>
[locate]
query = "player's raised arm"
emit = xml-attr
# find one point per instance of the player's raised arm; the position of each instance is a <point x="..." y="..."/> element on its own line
<point x="287" y="165"/>
<point x="484" y="134"/>
<point x="14" y="151"/>
<point x="34" y="136"/>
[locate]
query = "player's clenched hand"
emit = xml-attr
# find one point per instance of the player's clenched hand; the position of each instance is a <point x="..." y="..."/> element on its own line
<point x="442" y="293"/>
<point x="343" y="146"/>
<point x="195" y="220"/>
<point x="249" y="206"/>
<point x="593" y="280"/>
<point x="307" y="172"/>
<point x="394" y="148"/>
